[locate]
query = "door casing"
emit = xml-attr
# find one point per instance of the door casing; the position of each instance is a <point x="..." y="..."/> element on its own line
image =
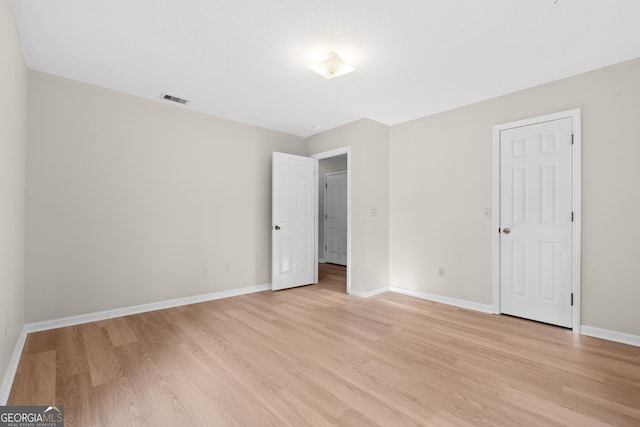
<point x="576" y="204"/>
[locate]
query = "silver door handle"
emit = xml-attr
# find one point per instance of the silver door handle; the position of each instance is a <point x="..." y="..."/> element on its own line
<point x="506" y="230"/>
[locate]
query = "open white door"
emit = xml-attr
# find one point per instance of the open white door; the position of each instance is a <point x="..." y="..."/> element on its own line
<point x="294" y="258"/>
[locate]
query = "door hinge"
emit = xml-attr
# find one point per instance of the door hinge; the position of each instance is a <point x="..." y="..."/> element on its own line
<point x="326" y="185"/>
<point x="571" y="216"/>
<point x="571" y="299"/>
<point x="325" y="216"/>
<point x="325" y="248"/>
<point x="571" y="139"/>
<point x="499" y="230"/>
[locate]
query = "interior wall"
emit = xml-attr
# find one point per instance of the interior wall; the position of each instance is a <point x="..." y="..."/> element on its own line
<point x="440" y="183"/>
<point x="332" y="164"/>
<point x="369" y="142"/>
<point x="131" y="201"/>
<point x="13" y="126"/>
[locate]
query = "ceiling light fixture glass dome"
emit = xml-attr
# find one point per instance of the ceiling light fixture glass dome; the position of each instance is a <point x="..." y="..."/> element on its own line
<point x="331" y="66"/>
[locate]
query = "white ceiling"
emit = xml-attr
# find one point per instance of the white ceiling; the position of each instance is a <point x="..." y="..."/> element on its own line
<point x="246" y="60"/>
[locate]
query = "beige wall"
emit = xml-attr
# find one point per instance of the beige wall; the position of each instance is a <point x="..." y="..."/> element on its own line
<point x="129" y="199"/>
<point x="369" y="142"/>
<point x="440" y="182"/>
<point x="332" y="164"/>
<point x="13" y="115"/>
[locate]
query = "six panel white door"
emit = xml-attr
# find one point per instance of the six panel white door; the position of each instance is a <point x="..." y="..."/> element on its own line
<point x="293" y="229"/>
<point x="335" y="223"/>
<point x="535" y="217"/>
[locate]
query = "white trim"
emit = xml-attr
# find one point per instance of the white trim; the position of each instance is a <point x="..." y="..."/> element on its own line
<point x="327" y="155"/>
<point x="322" y="261"/>
<point x="576" y="191"/>
<point x="495" y="223"/>
<point x="469" y="305"/>
<point x="576" y="241"/>
<point x="367" y="294"/>
<point x="143" y="308"/>
<point x="10" y="373"/>
<point x="609" y="335"/>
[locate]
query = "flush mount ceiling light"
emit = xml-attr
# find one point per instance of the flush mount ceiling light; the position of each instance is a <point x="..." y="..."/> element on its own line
<point x="331" y="66"/>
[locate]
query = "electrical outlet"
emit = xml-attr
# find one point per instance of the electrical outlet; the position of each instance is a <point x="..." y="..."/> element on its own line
<point x="441" y="271"/>
<point x="227" y="268"/>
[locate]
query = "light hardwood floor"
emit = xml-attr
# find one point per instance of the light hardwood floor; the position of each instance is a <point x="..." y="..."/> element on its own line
<point x="316" y="356"/>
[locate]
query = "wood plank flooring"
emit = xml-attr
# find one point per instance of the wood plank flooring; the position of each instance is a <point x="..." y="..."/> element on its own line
<point x="316" y="356"/>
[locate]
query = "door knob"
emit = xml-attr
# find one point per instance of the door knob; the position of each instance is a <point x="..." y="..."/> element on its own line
<point x="506" y="230"/>
<point x="277" y="227"/>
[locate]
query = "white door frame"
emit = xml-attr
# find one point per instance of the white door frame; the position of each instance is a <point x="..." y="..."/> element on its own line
<point x="325" y="155"/>
<point x="576" y="203"/>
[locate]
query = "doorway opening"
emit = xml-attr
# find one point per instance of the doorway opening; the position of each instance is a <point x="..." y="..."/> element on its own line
<point x="333" y="229"/>
<point x="332" y="214"/>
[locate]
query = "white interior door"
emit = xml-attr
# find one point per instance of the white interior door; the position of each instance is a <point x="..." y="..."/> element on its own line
<point x="535" y="221"/>
<point x="294" y="258"/>
<point x="335" y="218"/>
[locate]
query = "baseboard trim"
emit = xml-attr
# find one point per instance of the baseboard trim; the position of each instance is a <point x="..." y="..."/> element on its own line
<point x="367" y="294"/>
<point x="470" y="305"/>
<point x="321" y="261"/>
<point x="609" y="335"/>
<point x="10" y="373"/>
<point x="143" y="308"/>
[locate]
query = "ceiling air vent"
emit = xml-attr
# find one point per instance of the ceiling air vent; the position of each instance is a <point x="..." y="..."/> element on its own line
<point x="173" y="98"/>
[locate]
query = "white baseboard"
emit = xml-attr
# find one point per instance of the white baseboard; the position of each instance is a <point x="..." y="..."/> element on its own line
<point x="484" y="308"/>
<point x="126" y="311"/>
<point x="321" y="261"/>
<point x="10" y="373"/>
<point x="607" y="334"/>
<point x="367" y="294"/>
